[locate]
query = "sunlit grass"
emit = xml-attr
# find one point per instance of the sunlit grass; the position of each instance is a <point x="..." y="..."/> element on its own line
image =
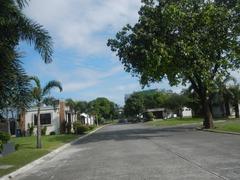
<point x="27" y="151"/>
<point x="229" y="126"/>
<point x="174" y="121"/>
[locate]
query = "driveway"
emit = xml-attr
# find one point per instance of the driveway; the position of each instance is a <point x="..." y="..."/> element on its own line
<point x="138" y="152"/>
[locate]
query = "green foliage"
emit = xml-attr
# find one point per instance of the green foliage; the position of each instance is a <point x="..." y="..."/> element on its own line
<point x="149" y="116"/>
<point x="77" y="107"/>
<point x="103" y="109"/>
<point x="17" y="146"/>
<point x="134" y="105"/>
<point x="28" y="153"/>
<point x="30" y="129"/>
<point x="184" y="41"/>
<point x="4" y="137"/>
<point x="44" y="130"/>
<point x="139" y="102"/>
<point x="41" y="95"/>
<point x="91" y="127"/>
<point x="176" y="102"/>
<point x="52" y="133"/>
<point x="79" y="128"/>
<point x="175" y="121"/>
<point x="16" y="27"/>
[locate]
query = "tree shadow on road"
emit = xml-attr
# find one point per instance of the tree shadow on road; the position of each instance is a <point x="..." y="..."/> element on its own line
<point x="130" y="133"/>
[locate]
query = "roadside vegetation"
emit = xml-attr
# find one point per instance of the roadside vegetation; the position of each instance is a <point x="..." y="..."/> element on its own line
<point x="174" y="122"/>
<point x="27" y="152"/>
<point x="228" y="126"/>
<point x="185" y="42"/>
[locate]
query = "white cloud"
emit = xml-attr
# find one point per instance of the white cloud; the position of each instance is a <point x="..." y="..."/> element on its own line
<point x="83" y="24"/>
<point x="73" y="79"/>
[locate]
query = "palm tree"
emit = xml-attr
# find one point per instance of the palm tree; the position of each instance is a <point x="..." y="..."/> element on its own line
<point x="15" y="26"/>
<point x="40" y="95"/>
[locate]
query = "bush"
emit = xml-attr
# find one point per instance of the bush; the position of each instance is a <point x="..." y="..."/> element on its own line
<point x="30" y="129"/>
<point x="17" y="147"/>
<point x="79" y="128"/>
<point x="44" y="130"/>
<point x="149" y="116"/>
<point x="4" y="137"/>
<point x="52" y="133"/>
<point x="91" y="127"/>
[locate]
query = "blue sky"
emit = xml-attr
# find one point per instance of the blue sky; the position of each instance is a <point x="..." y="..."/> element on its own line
<point x="82" y="62"/>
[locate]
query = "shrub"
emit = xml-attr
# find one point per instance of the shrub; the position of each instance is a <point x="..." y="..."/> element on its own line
<point x="30" y="129"/>
<point x="79" y="128"/>
<point x="17" y="147"/>
<point x="44" y="130"/>
<point x="4" y="137"/>
<point x="91" y="127"/>
<point x="52" y="133"/>
<point x="149" y="116"/>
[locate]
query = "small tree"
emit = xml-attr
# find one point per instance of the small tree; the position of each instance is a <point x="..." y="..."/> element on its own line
<point x="40" y="95"/>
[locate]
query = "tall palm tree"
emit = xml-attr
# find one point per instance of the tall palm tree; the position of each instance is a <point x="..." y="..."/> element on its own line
<point x="40" y="95"/>
<point x="15" y="26"/>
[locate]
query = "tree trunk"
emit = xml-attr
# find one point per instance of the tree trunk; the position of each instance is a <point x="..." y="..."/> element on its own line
<point x="208" y="119"/>
<point x="236" y="110"/>
<point x="227" y="108"/>
<point x="39" y="143"/>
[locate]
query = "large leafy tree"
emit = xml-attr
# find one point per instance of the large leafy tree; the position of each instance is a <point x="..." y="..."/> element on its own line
<point x="102" y="108"/>
<point x="185" y="41"/>
<point x="15" y="27"/>
<point x="134" y="105"/>
<point x="40" y="95"/>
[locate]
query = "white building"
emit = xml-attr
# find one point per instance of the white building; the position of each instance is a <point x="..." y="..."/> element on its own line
<point x="186" y="112"/>
<point x="87" y="119"/>
<point x="54" y="119"/>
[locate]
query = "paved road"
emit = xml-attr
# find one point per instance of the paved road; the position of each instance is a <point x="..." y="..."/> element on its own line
<point x="137" y="152"/>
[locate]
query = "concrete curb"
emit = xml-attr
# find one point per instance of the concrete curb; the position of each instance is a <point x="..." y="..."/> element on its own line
<point x="45" y="157"/>
<point x="217" y="131"/>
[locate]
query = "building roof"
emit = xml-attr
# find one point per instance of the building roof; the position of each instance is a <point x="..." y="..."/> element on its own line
<point x="156" y="109"/>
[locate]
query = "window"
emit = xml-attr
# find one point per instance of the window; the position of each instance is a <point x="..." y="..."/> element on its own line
<point x="45" y="119"/>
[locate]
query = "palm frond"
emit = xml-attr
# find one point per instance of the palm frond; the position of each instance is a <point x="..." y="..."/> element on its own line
<point x="35" y="34"/>
<point x="50" y="85"/>
<point x="51" y="101"/>
<point x="22" y="3"/>
<point x="36" y="80"/>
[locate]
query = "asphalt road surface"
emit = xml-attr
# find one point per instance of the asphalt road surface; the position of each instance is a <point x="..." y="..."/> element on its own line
<point x="138" y="152"/>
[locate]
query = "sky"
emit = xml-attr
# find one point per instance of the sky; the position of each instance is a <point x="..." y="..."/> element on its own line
<point x="82" y="62"/>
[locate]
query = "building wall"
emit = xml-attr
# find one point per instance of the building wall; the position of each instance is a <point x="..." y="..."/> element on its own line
<point x="55" y="123"/>
<point x="187" y="112"/>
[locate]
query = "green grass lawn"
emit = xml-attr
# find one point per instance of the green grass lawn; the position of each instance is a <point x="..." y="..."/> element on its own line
<point x="27" y="151"/>
<point x="174" y="121"/>
<point x="229" y="126"/>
